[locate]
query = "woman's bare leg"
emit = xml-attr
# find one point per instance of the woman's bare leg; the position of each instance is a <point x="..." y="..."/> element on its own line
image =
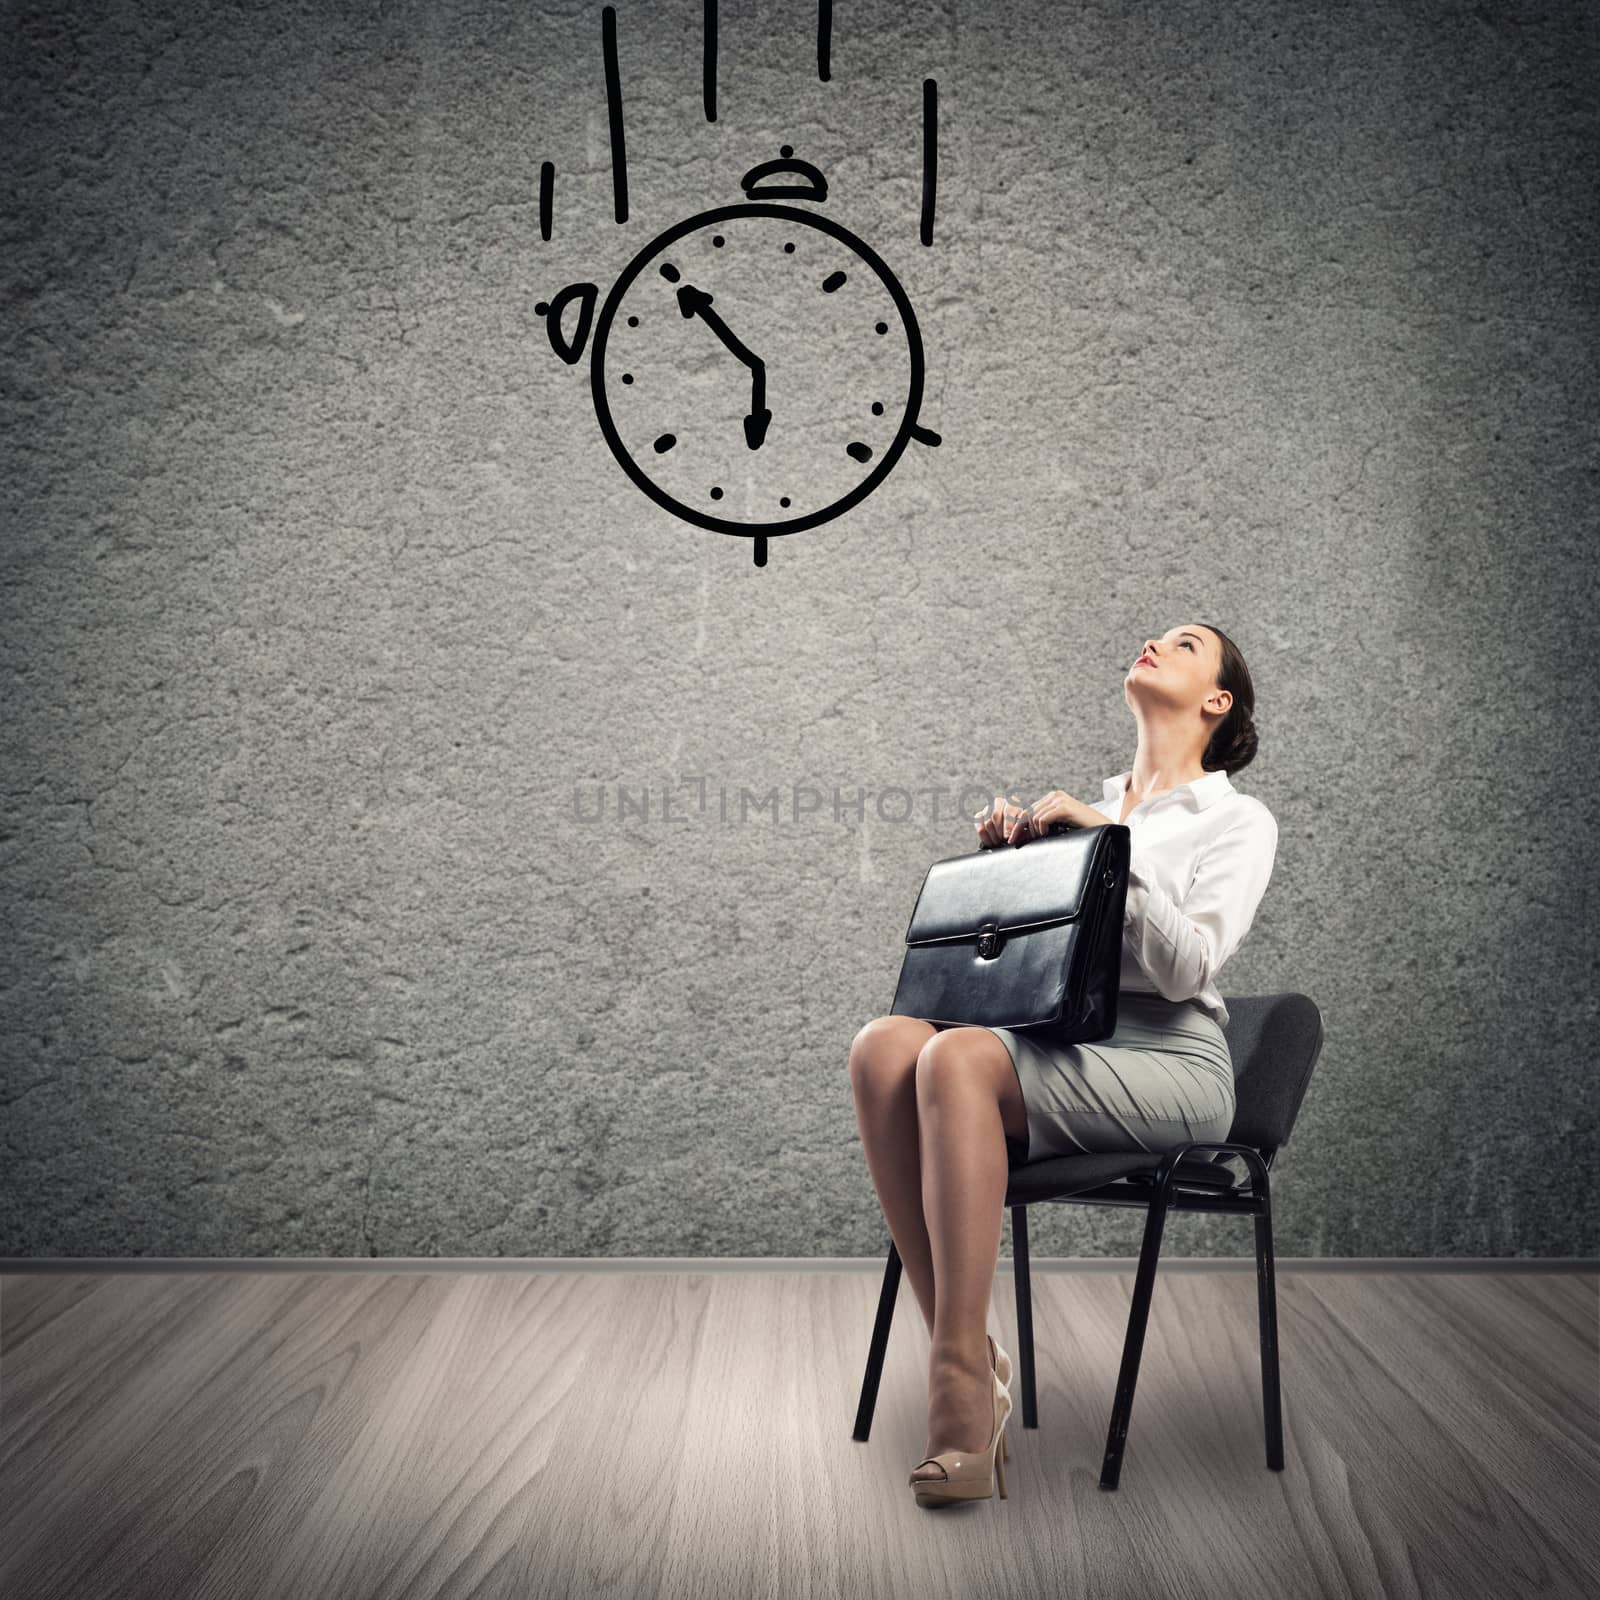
<point x="883" y="1073"/>
<point x="968" y="1103"/>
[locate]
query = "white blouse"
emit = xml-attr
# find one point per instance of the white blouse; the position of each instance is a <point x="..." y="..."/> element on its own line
<point x="1200" y="859"/>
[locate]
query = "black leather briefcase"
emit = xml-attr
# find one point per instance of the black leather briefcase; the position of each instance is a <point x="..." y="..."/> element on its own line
<point x="1022" y="936"/>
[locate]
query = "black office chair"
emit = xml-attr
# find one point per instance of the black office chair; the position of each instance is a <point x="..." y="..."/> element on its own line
<point x="1274" y="1040"/>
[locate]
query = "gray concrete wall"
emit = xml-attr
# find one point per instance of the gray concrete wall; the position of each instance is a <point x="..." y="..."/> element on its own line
<point x="325" y="605"/>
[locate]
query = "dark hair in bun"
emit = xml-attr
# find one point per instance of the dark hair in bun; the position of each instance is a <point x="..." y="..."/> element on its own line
<point x="1233" y="743"/>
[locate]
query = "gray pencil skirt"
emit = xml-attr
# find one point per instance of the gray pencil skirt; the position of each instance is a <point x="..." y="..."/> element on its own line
<point x="1163" y="1077"/>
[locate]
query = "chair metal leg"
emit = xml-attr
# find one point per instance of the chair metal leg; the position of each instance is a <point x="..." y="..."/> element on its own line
<point x="880" y="1344"/>
<point x="1138" y="1317"/>
<point x="1144" y="1283"/>
<point x="1024" y="1287"/>
<point x="1133" y="1343"/>
<point x="1267" y="1301"/>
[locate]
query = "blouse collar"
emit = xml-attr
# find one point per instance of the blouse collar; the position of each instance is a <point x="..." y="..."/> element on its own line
<point x="1201" y="792"/>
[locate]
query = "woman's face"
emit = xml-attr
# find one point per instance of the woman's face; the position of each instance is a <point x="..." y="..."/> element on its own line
<point x="1180" y="669"/>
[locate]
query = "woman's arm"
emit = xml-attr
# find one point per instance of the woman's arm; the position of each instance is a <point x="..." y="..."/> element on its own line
<point x="1183" y="947"/>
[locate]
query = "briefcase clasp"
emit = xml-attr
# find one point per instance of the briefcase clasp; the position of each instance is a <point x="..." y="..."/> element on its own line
<point x="989" y="940"/>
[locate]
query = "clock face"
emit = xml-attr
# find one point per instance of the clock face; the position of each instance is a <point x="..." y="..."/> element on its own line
<point x="757" y="369"/>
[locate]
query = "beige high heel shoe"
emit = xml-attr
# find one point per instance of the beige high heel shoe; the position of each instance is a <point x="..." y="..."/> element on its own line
<point x="1001" y="1363"/>
<point x="967" y="1476"/>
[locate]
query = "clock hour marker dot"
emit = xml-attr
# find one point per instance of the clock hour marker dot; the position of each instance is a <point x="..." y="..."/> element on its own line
<point x="542" y="307"/>
<point x="788" y="249"/>
<point x="861" y="452"/>
<point x="716" y="493"/>
<point x="783" y="500"/>
<point x="665" y="443"/>
<point x="669" y="272"/>
<point x="883" y="327"/>
<point x="633" y="322"/>
<point x="718" y="240"/>
<point x="627" y="377"/>
<point x="785" y="150"/>
<point x="877" y="408"/>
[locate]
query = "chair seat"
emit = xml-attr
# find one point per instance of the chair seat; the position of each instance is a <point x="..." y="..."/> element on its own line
<point x="1058" y="1176"/>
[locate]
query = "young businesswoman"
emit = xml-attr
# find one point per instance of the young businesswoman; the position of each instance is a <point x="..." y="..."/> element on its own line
<point x="944" y="1111"/>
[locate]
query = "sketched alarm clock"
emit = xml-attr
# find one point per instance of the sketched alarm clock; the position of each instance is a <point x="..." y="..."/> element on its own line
<point x="756" y="369"/>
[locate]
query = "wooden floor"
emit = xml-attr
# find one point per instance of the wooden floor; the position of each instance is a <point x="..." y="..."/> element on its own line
<point x="310" y="1434"/>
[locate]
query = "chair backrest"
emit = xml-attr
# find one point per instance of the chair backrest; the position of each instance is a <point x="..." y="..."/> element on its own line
<point x="1274" y="1040"/>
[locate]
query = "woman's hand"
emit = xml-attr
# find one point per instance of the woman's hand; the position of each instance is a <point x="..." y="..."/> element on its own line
<point x="1008" y="823"/>
<point x="997" y="824"/>
<point x="1058" y="807"/>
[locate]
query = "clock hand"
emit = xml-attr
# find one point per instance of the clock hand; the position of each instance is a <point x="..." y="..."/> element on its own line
<point x="757" y="423"/>
<point x="693" y="302"/>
